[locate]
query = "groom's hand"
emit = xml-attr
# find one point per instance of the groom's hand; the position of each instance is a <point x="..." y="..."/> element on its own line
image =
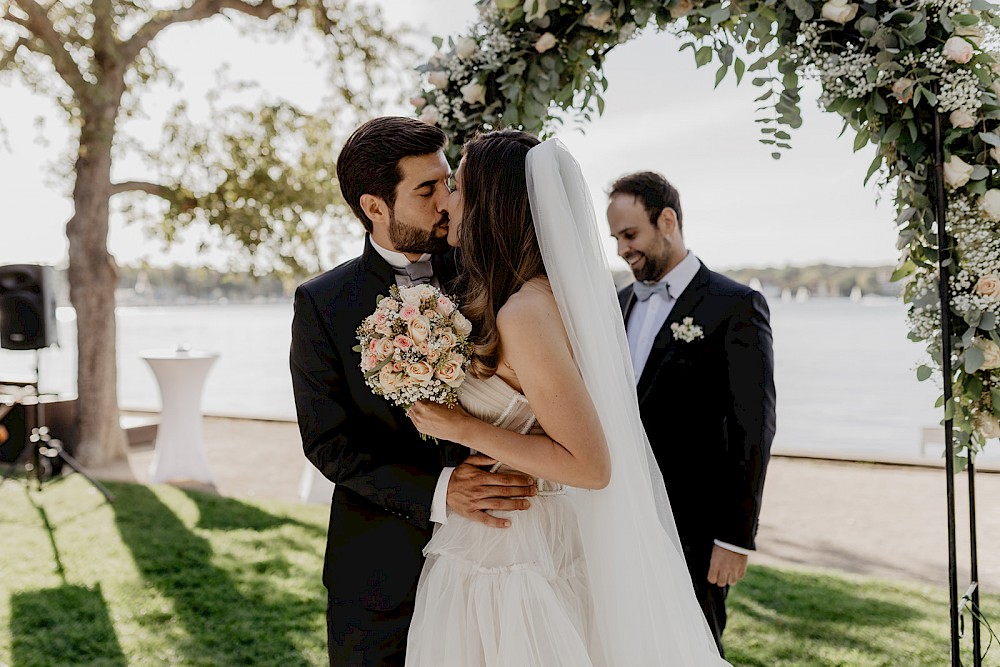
<point x="473" y="492"/>
<point x="727" y="567"/>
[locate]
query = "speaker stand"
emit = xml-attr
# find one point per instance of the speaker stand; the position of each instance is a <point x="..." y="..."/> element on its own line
<point x="43" y="449"/>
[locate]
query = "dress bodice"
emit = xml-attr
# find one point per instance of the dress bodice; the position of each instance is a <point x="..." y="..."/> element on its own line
<point x="495" y="402"/>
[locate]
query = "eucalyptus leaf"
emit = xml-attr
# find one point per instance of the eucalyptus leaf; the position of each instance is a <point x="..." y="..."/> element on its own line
<point x="924" y="373"/>
<point x="979" y="172"/>
<point x="974" y="359"/>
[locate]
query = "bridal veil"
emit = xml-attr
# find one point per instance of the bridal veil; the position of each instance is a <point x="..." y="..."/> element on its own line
<point x="647" y="613"/>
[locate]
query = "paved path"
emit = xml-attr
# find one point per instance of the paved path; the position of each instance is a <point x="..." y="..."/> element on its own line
<point x="880" y="520"/>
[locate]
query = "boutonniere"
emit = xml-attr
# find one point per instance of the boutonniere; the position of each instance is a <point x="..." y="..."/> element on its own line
<point x="687" y="330"/>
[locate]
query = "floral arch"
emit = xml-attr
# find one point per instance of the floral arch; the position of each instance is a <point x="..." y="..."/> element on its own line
<point x="890" y="69"/>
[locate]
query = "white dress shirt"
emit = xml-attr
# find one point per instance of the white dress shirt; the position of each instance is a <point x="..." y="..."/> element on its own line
<point x="397" y="260"/>
<point x="648" y="317"/>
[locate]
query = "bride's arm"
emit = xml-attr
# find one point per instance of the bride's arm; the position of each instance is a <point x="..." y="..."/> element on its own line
<point x="534" y="343"/>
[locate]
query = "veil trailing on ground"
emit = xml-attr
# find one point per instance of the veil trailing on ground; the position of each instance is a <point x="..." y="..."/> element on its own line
<point x="646" y="610"/>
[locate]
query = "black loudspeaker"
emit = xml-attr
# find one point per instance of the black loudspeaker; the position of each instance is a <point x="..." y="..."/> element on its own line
<point x="27" y="307"/>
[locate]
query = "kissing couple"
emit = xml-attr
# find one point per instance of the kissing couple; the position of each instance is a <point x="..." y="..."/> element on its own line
<point x="538" y="530"/>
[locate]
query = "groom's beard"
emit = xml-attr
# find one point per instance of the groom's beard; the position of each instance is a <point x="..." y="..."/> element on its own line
<point x="407" y="238"/>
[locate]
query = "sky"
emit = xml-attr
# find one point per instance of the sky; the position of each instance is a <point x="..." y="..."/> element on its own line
<point x="741" y="207"/>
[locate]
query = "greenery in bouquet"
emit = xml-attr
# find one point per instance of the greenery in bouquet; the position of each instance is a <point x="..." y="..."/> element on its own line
<point x="887" y="68"/>
<point x="415" y="346"/>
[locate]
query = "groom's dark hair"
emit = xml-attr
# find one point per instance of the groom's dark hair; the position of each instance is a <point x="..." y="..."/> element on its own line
<point x="369" y="162"/>
<point x="653" y="191"/>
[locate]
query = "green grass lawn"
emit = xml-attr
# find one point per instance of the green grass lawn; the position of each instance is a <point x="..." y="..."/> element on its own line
<point x="172" y="577"/>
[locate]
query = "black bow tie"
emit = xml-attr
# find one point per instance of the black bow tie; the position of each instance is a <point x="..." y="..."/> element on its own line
<point x="644" y="290"/>
<point x="419" y="273"/>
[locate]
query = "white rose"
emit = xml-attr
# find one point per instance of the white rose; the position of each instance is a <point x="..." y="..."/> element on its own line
<point x="958" y="50"/>
<point x="995" y="153"/>
<point x="991" y="353"/>
<point x="420" y="371"/>
<point x="962" y="119"/>
<point x="426" y="292"/>
<point x="419" y="329"/>
<point x="418" y="102"/>
<point x="450" y="372"/>
<point x="681" y="8"/>
<point x="473" y="93"/>
<point x="989" y="204"/>
<point x="988" y="425"/>
<point x="438" y="79"/>
<point x="463" y="327"/>
<point x="466" y="48"/>
<point x="410" y="295"/>
<point x="389" y="380"/>
<point x="902" y="90"/>
<point x="599" y="19"/>
<point x="446" y="339"/>
<point x="839" y="11"/>
<point x="988" y="286"/>
<point x="429" y="115"/>
<point x="389" y="304"/>
<point x="545" y="42"/>
<point x="384" y="348"/>
<point x="957" y="172"/>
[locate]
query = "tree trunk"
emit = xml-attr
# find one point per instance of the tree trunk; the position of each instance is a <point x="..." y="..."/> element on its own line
<point x="93" y="277"/>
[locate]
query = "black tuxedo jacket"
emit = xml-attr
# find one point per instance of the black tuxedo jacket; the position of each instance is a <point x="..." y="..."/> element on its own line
<point x="384" y="473"/>
<point x="708" y="407"/>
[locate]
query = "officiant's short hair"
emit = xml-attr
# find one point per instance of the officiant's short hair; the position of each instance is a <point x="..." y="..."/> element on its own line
<point x="369" y="162"/>
<point x="654" y="192"/>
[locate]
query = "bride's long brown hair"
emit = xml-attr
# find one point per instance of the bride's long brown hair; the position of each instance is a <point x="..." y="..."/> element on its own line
<point x="497" y="237"/>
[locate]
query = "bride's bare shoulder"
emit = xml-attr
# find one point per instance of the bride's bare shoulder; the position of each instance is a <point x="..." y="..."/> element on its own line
<point x="532" y="310"/>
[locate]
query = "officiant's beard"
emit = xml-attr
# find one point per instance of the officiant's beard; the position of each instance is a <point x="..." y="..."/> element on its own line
<point x="656" y="262"/>
<point x="410" y="239"/>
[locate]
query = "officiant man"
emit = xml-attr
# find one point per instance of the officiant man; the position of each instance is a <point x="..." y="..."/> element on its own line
<point x="702" y="354"/>
<point x="390" y="485"/>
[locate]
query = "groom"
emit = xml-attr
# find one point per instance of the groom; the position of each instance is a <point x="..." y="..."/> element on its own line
<point x="394" y="176"/>
<point x="702" y="355"/>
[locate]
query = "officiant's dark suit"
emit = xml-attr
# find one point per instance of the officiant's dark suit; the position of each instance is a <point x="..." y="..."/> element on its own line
<point x="707" y="402"/>
<point x="385" y="475"/>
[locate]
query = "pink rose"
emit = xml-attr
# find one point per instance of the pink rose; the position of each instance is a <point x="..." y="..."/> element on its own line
<point x="381" y="317"/>
<point x="403" y="342"/>
<point x="408" y="312"/>
<point x="383" y="330"/>
<point x="445" y="305"/>
<point x="451" y="372"/>
<point x="368" y="361"/>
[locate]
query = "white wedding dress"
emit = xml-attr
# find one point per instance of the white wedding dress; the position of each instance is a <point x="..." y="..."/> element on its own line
<point x="581" y="577"/>
<point x="511" y="597"/>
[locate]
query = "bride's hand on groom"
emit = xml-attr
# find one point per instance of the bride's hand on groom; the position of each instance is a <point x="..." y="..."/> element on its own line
<point x="474" y="492"/>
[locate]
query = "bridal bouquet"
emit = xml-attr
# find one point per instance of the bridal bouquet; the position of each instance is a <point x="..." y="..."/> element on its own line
<point x="415" y="346"/>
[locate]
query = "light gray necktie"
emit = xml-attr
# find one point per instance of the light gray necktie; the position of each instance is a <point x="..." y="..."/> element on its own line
<point x="644" y="290"/>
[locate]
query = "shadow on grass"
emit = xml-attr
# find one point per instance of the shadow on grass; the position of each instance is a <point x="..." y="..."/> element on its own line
<point x="811" y="610"/>
<point x="225" y="625"/>
<point x="63" y="626"/>
<point x="219" y="513"/>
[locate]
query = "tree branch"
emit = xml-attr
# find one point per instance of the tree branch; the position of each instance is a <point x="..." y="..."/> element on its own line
<point x="142" y="186"/>
<point x="201" y="9"/>
<point x="39" y="24"/>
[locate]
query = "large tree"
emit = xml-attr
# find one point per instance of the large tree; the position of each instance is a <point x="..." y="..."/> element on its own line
<point x="260" y="175"/>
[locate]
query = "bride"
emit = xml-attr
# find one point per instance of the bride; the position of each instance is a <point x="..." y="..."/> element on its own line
<point x="592" y="572"/>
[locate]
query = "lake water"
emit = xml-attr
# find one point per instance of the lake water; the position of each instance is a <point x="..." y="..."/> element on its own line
<point x="845" y="371"/>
